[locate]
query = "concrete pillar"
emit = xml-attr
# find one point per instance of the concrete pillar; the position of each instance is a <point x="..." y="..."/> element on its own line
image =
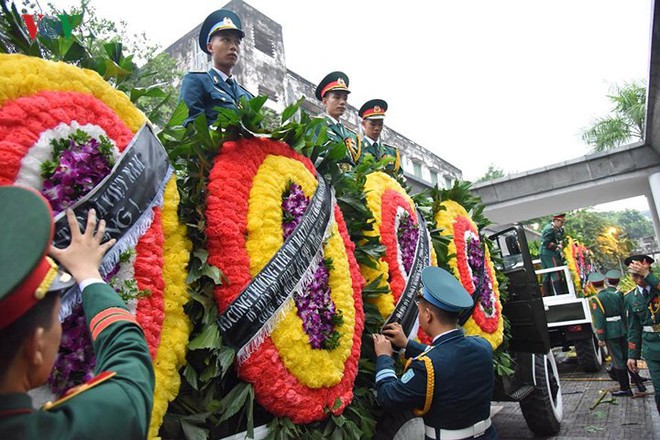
<point x="654" y="203"/>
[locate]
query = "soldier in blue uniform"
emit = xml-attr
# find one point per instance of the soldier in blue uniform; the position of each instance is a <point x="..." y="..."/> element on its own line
<point x="333" y="92"/>
<point x="643" y="312"/>
<point x="450" y="382"/>
<point x="220" y="36"/>
<point x="116" y="404"/>
<point x="372" y="113"/>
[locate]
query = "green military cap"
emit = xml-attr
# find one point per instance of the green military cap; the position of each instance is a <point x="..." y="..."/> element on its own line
<point x="25" y="235"/>
<point x="641" y="258"/>
<point x="561" y="216"/>
<point x="373" y="109"/>
<point x="613" y="274"/>
<point x="332" y="81"/>
<point x="596" y="278"/>
<point x="220" y="20"/>
<point x="443" y="290"/>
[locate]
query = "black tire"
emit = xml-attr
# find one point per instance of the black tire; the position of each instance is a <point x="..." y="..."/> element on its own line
<point x="589" y="354"/>
<point x="400" y="425"/>
<point x="543" y="408"/>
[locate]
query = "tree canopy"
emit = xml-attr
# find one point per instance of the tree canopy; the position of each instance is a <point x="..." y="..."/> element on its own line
<point x="624" y="124"/>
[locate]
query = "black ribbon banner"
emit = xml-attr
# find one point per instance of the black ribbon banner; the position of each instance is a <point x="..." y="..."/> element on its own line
<point x="405" y="312"/>
<point x="273" y="285"/>
<point x="130" y="190"/>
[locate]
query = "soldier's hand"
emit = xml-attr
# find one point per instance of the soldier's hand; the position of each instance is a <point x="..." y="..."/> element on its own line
<point x="83" y="256"/>
<point x="632" y="365"/>
<point x="639" y="268"/>
<point x="395" y="334"/>
<point x="601" y="343"/>
<point x="382" y="345"/>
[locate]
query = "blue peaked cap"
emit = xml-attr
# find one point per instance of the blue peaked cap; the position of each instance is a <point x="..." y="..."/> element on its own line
<point x="443" y="290"/>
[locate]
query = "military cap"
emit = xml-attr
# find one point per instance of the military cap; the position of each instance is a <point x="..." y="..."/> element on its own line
<point x="25" y="235"/>
<point x="597" y="278"/>
<point x="641" y="258"/>
<point x="559" y="216"/>
<point x="373" y="109"/>
<point x="332" y="81"/>
<point x="613" y="274"/>
<point x="220" y="20"/>
<point x="443" y="290"/>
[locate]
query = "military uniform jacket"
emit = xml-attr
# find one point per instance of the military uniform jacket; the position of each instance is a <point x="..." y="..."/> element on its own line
<point x="337" y="132"/>
<point x="118" y="406"/>
<point x="379" y="151"/>
<point x="551" y="237"/>
<point x="608" y="314"/>
<point x="462" y="374"/>
<point x="203" y="91"/>
<point x="643" y="310"/>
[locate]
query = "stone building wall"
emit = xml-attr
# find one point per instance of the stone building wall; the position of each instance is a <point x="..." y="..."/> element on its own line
<point x="262" y="70"/>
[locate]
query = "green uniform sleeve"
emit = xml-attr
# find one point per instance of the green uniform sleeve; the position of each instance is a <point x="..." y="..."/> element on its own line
<point x="634" y="330"/>
<point x="653" y="281"/>
<point x="120" y="347"/>
<point x="548" y="238"/>
<point x="598" y="317"/>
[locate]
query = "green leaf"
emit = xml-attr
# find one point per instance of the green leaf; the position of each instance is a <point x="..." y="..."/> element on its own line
<point x="208" y="338"/>
<point x="191" y="375"/>
<point x="291" y="110"/>
<point x="234" y="401"/>
<point x="193" y="432"/>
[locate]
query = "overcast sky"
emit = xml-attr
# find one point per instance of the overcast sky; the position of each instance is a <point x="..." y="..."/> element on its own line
<point x="510" y="83"/>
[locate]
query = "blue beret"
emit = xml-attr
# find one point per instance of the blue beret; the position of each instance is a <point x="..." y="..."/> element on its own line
<point x="443" y="290"/>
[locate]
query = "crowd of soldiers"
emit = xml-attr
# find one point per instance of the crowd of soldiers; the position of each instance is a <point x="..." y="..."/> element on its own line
<point x="221" y="36"/>
<point x="627" y="323"/>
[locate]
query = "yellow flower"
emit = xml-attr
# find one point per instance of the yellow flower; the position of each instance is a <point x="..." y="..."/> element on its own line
<point x="572" y="266"/>
<point x="171" y="354"/>
<point x="25" y="76"/>
<point x="264" y="226"/>
<point x="376" y="185"/>
<point x="446" y="219"/>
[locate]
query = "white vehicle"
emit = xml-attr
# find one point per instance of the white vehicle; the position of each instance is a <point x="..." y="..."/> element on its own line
<point x="570" y="323"/>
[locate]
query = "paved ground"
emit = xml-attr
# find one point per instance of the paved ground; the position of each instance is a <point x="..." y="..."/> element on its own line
<point x="628" y="418"/>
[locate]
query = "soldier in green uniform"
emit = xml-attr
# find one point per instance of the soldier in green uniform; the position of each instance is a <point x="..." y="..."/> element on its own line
<point x="372" y="113"/>
<point x="552" y="237"/>
<point x="333" y="92"/>
<point x="450" y="382"/>
<point x="609" y="321"/>
<point x="220" y="36"/>
<point x="642" y="307"/>
<point x="116" y="404"/>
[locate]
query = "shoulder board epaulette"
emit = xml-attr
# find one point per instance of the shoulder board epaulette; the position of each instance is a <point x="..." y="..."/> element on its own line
<point x="198" y="71"/>
<point x="72" y="392"/>
<point x="630" y="291"/>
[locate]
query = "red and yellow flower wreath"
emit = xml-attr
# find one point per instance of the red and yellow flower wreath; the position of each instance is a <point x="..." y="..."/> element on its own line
<point x="572" y="253"/>
<point x="456" y="222"/>
<point x="388" y="201"/>
<point x="244" y="230"/>
<point x="38" y="98"/>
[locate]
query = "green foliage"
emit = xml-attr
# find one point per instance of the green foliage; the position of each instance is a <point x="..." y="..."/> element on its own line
<point x="96" y="43"/>
<point x="492" y="173"/>
<point x="624" y="124"/>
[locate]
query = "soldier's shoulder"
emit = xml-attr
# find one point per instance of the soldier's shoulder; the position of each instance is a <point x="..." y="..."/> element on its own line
<point x="77" y="390"/>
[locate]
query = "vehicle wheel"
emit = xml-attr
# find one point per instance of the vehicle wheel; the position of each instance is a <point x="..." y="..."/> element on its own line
<point x="589" y="354"/>
<point x="543" y="408"/>
<point x="400" y="425"/>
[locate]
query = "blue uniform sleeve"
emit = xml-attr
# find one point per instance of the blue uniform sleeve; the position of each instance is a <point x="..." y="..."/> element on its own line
<point x="192" y="94"/>
<point x="404" y="393"/>
<point x="414" y="349"/>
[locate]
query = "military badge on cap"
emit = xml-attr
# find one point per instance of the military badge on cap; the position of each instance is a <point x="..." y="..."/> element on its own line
<point x="25" y="236"/>
<point x="220" y="20"/>
<point x="443" y="290"/>
<point x="373" y="109"/>
<point x="332" y="81"/>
